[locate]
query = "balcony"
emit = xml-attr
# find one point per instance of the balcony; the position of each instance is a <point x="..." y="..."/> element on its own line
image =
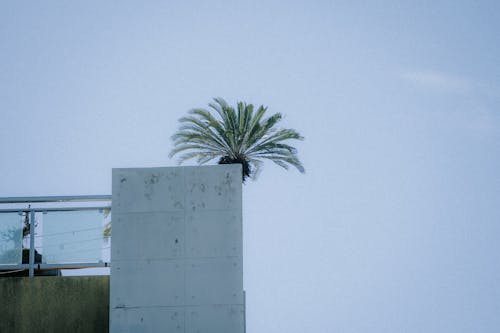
<point x="55" y="235"/>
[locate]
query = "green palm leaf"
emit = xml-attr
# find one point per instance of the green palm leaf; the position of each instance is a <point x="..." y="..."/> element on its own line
<point x="240" y="135"/>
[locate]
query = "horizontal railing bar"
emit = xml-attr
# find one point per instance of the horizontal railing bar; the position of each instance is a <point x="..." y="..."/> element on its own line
<point x="9" y="267"/>
<point x="56" y="266"/>
<point x="42" y="210"/>
<point x="73" y="198"/>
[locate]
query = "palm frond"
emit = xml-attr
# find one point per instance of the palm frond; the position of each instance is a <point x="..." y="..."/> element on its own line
<point x="235" y="135"/>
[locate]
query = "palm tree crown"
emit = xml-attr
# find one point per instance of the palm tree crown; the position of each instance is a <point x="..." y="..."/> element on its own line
<point x="235" y="136"/>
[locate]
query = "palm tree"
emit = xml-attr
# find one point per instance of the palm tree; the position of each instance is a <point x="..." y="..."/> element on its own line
<point x="235" y="136"/>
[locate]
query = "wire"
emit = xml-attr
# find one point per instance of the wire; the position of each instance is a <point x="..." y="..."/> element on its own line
<point x="71" y="242"/>
<point x="67" y="232"/>
<point x="9" y="272"/>
<point x="79" y="250"/>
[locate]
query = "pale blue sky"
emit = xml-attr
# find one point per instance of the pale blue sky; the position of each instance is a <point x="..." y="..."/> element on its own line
<point x="395" y="227"/>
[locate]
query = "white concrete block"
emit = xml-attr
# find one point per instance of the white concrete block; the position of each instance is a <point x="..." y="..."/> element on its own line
<point x="147" y="320"/>
<point x="146" y="243"/>
<point x="215" y="319"/>
<point x="148" y="190"/>
<point x="177" y="250"/>
<point x="214" y="281"/>
<point x="147" y="283"/>
<point x="213" y="188"/>
<point x="214" y="233"/>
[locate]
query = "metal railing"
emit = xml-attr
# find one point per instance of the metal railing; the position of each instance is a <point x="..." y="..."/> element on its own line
<point x="60" y="232"/>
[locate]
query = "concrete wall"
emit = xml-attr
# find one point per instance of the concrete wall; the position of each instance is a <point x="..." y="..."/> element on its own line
<point x="177" y="250"/>
<point x="54" y="304"/>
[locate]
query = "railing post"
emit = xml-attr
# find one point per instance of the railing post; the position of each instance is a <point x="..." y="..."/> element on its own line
<point x="32" y="244"/>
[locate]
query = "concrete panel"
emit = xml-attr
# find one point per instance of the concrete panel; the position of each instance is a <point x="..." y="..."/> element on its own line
<point x="177" y="250"/>
<point x="213" y="188"/>
<point x="147" y="283"/>
<point x="214" y="281"/>
<point x="215" y="319"/>
<point x="213" y="233"/>
<point x="147" y="320"/>
<point x="148" y="190"/>
<point x="145" y="228"/>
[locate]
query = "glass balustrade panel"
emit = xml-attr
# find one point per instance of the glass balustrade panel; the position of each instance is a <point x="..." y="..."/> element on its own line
<point x="73" y="237"/>
<point x="11" y="238"/>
